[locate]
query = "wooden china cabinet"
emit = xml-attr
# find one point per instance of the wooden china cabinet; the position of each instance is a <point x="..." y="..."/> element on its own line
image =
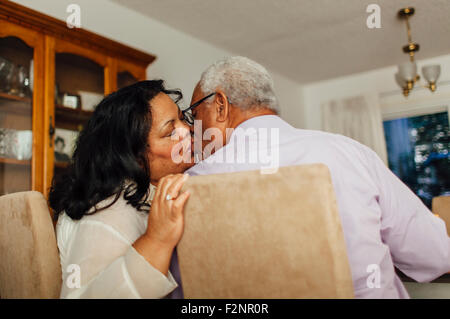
<point x="51" y="78"/>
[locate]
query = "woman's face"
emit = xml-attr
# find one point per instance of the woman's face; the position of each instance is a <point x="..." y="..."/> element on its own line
<point x="169" y="139"/>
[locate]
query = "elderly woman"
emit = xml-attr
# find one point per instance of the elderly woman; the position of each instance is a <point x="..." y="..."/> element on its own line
<point x="120" y="214"/>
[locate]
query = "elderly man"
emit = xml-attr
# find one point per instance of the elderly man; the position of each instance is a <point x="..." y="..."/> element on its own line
<point x="384" y="223"/>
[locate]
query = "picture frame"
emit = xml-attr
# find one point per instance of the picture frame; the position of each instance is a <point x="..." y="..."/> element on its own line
<point x="72" y="101"/>
<point x="64" y="144"/>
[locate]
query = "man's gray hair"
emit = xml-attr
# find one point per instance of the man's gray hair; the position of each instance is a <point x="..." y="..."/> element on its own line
<point x="246" y="83"/>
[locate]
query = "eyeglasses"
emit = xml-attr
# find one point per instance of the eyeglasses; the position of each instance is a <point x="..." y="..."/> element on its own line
<point x="187" y="113"/>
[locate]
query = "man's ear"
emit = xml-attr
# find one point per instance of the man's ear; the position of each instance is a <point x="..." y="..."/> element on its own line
<point x="222" y="106"/>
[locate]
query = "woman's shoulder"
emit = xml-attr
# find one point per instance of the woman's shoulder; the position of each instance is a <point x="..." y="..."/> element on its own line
<point x="121" y="216"/>
<point x="117" y="216"/>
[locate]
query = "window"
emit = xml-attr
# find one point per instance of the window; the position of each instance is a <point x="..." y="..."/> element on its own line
<point x="418" y="153"/>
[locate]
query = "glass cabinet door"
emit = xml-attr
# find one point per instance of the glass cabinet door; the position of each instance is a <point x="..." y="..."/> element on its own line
<point x="19" y="158"/>
<point x="16" y="135"/>
<point x="128" y="73"/>
<point x="125" y="78"/>
<point x="79" y="87"/>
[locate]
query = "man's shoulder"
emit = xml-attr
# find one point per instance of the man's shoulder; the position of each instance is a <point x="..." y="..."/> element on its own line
<point x="321" y="139"/>
<point x="295" y="147"/>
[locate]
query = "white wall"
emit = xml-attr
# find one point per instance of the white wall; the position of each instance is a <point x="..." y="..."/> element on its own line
<point x="290" y="96"/>
<point x="180" y="57"/>
<point x="380" y="82"/>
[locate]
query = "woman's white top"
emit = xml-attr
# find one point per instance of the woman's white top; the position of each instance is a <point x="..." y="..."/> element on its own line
<point x="98" y="259"/>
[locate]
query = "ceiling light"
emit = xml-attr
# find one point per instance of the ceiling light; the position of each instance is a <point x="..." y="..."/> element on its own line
<point x="407" y="72"/>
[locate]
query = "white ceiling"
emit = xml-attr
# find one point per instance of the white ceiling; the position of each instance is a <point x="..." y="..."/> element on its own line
<point x="307" y="40"/>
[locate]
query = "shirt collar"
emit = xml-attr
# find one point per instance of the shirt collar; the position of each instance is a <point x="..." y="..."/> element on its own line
<point x="267" y="121"/>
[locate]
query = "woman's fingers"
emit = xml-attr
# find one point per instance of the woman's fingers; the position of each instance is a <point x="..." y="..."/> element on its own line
<point x="171" y="185"/>
<point x="168" y="184"/>
<point x="166" y="220"/>
<point x="163" y="186"/>
<point x="176" y="185"/>
<point x="161" y="182"/>
<point x="179" y="203"/>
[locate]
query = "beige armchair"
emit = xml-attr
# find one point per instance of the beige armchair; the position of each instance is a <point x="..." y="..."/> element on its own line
<point x="441" y="207"/>
<point x="247" y="235"/>
<point x="260" y="242"/>
<point x="29" y="258"/>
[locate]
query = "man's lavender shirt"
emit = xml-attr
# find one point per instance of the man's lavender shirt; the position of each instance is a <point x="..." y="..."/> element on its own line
<point x="384" y="222"/>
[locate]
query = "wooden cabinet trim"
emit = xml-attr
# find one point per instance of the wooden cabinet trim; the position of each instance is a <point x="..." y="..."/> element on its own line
<point x="49" y="104"/>
<point x="34" y="40"/>
<point x="110" y="75"/>
<point x="30" y="37"/>
<point x="62" y="46"/>
<point x="137" y="71"/>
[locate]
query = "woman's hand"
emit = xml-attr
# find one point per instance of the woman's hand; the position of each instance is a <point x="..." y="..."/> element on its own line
<point x="166" y="218"/>
<point x="165" y="223"/>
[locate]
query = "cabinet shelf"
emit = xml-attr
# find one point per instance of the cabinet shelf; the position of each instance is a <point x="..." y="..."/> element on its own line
<point x="14" y="97"/>
<point x="73" y="112"/>
<point x="13" y="161"/>
<point x="13" y="104"/>
<point x="61" y="164"/>
<point x="71" y="118"/>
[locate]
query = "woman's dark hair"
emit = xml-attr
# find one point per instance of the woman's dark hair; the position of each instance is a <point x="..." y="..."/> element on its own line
<point x="111" y="150"/>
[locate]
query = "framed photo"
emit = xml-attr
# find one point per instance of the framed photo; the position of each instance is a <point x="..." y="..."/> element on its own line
<point x="64" y="144"/>
<point x="71" y="100"/>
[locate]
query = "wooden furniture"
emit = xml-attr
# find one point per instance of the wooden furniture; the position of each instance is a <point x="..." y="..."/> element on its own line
<point x="67" y="61"/>
<point x="29" y="258"/>
<point x="441" y="207"/>
<point x="230" y="250"/>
